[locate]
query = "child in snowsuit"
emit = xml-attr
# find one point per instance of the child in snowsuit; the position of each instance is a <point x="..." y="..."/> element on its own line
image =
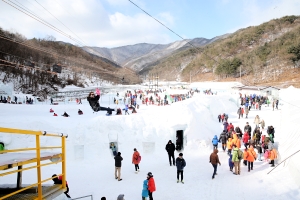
<point x="215" y="142"/>
<point x="259" y="151"/>
<point x="230" y="163"/>
<point x="113" y="148"/>
<point x="145" y="190"/>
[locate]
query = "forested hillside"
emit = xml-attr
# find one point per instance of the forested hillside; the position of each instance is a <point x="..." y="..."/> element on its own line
<point x="262" y="54"/>
<point x="29" y="64"/>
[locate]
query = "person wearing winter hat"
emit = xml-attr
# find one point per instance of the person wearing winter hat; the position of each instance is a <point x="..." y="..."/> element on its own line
<point x="180" y="164"/>
<point x="118" y="164"/>
<point x="136" y="159"/>
<point x="170" y="148"/>
<point x="121" y="197"/>
<point x="151" y="185"/>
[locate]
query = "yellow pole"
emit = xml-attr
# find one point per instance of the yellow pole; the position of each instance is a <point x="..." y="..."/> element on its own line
<point x="38" y="162"/>
<point x="63" y="141"/>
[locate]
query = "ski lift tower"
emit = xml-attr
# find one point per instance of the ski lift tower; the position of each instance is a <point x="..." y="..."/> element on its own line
<point x="153" y="81"/>
<point x="156" y="82"/>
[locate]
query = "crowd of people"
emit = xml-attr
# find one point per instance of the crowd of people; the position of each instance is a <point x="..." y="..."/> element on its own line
<point x="256" y="144"/>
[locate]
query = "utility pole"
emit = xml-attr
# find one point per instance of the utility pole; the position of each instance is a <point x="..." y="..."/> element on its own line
<point x="240" y="74"/>
<point x="190" y="77"/>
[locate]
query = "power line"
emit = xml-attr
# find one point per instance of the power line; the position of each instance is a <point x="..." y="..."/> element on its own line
<point x="32" y="15"/>
<point x="46" y="51"/>
<point x="59" y="21"/>
<point x="200" y="50"/>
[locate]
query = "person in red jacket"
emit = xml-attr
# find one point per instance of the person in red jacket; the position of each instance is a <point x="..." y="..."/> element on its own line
<point x="55" y="115"/>
<point x="51" y="110"/>
<point x="151" y="185"/>
<point x="246" y="138"/>
<point x="136" y="159"/>
<point x="58" y="180"/>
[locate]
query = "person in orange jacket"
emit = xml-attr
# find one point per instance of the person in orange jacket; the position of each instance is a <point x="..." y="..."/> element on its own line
<point x="272" y="156"/>
<point x="136" y="160"/>
<point x="151" y="185"/>
<point x="250" y="158"/>
<point x="229" y="146"/>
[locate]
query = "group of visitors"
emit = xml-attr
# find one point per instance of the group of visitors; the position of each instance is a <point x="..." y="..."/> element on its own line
<point x="256" y="143"/>
<point x="65" y="114"/>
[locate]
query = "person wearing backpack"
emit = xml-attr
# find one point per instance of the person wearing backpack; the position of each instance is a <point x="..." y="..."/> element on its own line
<point x="180" y="164"/>
<point x="223" y="139"/>
<point x="215" y="142"/>
<point x="237" y="155"/>
<point x="214" y="160"/>
<point x="136" y="159"/>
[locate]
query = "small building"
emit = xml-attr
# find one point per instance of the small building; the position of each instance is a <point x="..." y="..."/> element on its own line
<point x="268" y="91"/>
<point x="57" y="68"/>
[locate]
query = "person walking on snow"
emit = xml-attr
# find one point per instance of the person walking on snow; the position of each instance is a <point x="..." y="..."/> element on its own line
<point x="246" y="112"/>
<point x="180" y="164"/>
<point x="236" y="161"/>
<point x="257" y="121"/>
<point x="214" y="160"/>
<point x="223" y="139"/>
<point x="118" y="165"/>
<point x="170" y="148"/>
<point x="145" y="193"/>
<point x="151" y="185"/>
<point x="230" y="163"/>
<point x="239" y="112"/>
<point x="136" y="159"/>
<point x="215" y="142"/>
<point x="219" y="117"/>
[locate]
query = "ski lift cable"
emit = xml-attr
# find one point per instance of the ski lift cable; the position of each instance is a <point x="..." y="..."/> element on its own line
<point x="60" y="21"/>
<point x="52" y="26"/>
<point x="197" y="48"/>
<point x="49" y="52"/>
<point x="28" y="13"/>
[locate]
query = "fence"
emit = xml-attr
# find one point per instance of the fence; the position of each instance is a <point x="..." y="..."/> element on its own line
<point x="37" y="159"/>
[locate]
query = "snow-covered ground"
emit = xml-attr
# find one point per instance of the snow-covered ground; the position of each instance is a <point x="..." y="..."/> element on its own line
<point x="90" y="164"/>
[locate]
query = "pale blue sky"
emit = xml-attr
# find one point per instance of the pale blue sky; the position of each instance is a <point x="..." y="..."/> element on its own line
<point x="111" y="23"/>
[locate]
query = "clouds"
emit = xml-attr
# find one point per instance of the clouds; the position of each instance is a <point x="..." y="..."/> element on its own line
<point x="111" y="23"/>
<point x="255" y="12"/>
<point x="89" y="19"/>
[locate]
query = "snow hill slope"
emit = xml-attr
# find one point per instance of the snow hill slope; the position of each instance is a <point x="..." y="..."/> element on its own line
<point x="90" y="165"/>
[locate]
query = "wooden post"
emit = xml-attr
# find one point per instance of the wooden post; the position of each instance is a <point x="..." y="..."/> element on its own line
<point x="19" y="177"/>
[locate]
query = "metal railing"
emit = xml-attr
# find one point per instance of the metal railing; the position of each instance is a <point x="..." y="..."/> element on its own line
<point x="284" y="161"/>
<point x="84" y="197"/>
<point x="37" y="160"/>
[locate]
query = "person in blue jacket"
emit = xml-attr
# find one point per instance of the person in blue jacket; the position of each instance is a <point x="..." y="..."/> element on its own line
<point x="145" y="192"/>
<point x="215" y="142"/>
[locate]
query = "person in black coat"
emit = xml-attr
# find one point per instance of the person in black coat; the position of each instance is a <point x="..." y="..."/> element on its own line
<point x="248" y="129"/>
<point x="58" y="180"/>
<point x="223" y="139"/>
<point x="94" y="103"/>
<point x="118" y="165"/>
<point x="180" y="164"/>
<point x="170" y="148"/>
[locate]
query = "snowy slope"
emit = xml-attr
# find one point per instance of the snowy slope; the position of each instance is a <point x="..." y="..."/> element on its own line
<point x="90" y="165"/>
